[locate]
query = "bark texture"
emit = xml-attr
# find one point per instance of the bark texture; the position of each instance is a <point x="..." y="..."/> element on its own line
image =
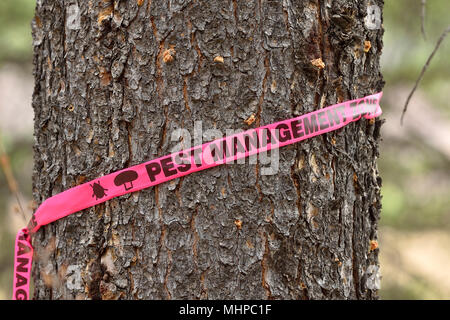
<point x="115" y="78"/>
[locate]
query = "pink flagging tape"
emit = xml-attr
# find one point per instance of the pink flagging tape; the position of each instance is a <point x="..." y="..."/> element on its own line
<point x="179" y="164"/>
<point x="23" y="258"/>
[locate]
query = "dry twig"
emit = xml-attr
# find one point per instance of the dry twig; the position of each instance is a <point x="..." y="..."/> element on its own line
<point x="12" y="183"/>
<point x="425" y="67"/>
<point x="422" y="16"/>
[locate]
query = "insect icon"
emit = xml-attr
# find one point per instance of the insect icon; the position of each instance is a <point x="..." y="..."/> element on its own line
<point x="99" y="191"/>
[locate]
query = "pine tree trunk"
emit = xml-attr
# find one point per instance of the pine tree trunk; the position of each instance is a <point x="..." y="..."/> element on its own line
<point x="114" y="79"/>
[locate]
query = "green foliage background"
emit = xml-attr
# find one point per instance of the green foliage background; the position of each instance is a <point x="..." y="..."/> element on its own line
<point x="15" y="31"/>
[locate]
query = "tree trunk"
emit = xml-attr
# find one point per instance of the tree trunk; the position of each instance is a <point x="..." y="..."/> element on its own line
<point x="114" y="79"/>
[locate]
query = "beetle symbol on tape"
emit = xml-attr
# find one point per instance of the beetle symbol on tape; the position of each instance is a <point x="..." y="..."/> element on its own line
<point x="99" y="191"/>
<point x="126" y="178"/>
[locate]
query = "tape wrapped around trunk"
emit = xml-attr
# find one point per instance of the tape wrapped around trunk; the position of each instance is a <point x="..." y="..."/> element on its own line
<point x="181" y="163"/>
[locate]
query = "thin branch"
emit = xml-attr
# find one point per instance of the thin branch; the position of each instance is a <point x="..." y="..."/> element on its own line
<point x="422" y="16"/>
<point x="12" y="183"/>
<point x="425" y="67"/>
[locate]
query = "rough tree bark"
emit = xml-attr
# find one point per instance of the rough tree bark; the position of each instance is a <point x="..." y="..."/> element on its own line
<point x="109" y="92"/>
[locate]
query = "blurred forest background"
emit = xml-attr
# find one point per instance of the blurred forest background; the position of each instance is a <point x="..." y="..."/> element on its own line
<point x="414" y="236"/>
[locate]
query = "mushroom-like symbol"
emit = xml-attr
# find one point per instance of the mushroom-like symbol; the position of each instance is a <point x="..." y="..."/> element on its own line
<point x="126" y="178"/>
